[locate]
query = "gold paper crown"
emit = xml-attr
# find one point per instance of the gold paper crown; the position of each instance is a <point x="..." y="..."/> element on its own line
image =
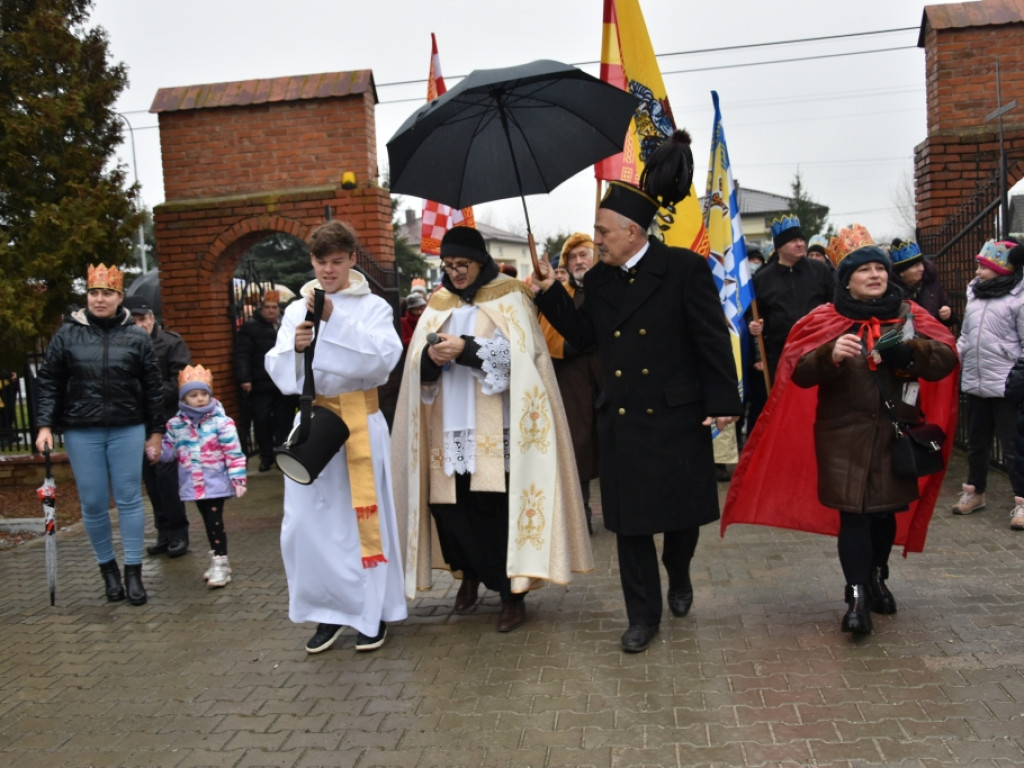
<point x="847" y="241"/>
<point x="195" y="374"/>
<point x="102" y="276"/>
<point x="272" y="297"/>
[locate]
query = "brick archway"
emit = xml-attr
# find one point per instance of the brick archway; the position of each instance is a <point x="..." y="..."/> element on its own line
<point x="249" y="159"/>
<point x="962" y="42"/>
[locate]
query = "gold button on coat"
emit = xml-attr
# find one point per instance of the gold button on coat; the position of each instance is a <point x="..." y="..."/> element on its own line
<point x="622" y="411"/>
<point x="617" y="334"/>
<point x="650" y="411"/>
<point x="644" y="372"/>
<point x="618" y="374"/>
<point x="643" y="331"/>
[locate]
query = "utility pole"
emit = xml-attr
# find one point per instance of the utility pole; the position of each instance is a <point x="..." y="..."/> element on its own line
<point x="138" y="198"/>
<point x="1001" y="109"/>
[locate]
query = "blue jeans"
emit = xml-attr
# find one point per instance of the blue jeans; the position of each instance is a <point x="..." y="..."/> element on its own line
<point x="106" y="459"/>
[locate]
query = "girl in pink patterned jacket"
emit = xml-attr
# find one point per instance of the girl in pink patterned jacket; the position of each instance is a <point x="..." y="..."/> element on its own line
<point x="211" y="464"/>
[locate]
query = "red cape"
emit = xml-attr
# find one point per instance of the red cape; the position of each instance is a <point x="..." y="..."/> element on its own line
<point x="775" y="482"/>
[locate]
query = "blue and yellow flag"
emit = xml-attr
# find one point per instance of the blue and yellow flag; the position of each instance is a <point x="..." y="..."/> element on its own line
<point x="728" y="258"/>
<point x="628" y="62"/>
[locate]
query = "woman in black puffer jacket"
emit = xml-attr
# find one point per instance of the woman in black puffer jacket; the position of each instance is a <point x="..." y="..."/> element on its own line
<point x="100" y="384"/>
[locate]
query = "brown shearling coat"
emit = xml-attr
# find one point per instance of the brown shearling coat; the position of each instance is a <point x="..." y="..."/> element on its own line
<point x="853" y="433"/>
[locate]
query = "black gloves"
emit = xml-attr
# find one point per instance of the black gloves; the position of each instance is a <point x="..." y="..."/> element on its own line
<point x="898" y="356"/>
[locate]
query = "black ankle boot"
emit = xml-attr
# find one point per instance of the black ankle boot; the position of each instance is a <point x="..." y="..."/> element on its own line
<point x="112" y="581"/>
<point x="858" y="619"/>
<point x="882" y="600"/>
<point x="133" y="583"/>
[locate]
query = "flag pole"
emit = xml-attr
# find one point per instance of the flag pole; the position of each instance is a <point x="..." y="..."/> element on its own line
<point x="761" y="349"/>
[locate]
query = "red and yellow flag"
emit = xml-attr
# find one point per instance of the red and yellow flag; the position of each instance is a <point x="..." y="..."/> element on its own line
<point x="628" y="62"/>
<point x="439" y="218"/>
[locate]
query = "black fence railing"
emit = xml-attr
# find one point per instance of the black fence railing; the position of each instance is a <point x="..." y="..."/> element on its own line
<point x="18" y="414"/>
<point x="954" y="248"/>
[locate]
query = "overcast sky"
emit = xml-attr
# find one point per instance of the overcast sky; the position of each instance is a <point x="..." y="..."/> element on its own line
<point x="849" y="123"/>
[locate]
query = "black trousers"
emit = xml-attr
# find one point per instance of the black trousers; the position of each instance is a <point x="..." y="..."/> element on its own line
<point x="473" y="534"/>
<point x="161" y="481"/>
<point x="989" y="417"/>
<point x="272" y="417"/>
<point x="641" y="577"/>
<point x="865" y="541"/>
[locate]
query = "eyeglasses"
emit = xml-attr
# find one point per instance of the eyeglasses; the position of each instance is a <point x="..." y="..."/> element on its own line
<point x="456" y="269"/>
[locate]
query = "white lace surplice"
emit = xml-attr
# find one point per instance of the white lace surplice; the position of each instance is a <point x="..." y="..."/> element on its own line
<point x="459" y="403"/>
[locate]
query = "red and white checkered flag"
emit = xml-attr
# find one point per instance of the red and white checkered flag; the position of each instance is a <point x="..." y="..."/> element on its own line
<point x="438" y="218"/>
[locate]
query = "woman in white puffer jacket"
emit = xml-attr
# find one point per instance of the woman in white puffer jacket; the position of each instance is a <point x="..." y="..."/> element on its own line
<point x="991" y="340"/>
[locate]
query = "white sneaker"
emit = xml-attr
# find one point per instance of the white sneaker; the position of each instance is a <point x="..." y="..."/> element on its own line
<point x="1017" y="516"/>
<point x="206" y="573"/>
<point x="969" y="501"/>
<point x="220" y="572"/>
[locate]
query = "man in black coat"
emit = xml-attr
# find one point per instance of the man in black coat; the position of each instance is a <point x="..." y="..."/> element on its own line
<point x="272" y="412"/>
<point x="161" y="479"/>
<point x="786" y="288"/>
<point x="655" y="315"/>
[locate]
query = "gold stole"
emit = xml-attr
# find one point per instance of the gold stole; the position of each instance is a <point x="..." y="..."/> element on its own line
<point x="355" y="408"/>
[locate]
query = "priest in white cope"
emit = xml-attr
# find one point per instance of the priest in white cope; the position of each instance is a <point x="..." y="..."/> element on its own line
<point x="485" y="476"/>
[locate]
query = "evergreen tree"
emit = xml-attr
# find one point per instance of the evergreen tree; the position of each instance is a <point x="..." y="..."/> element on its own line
<point x="813" y="216"/>
<point x="408" y="260"/>
<point x="62" y="206"/>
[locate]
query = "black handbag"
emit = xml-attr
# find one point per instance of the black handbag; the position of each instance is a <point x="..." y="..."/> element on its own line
<point x="916" y="449"/>
<point x="321" y="432"/>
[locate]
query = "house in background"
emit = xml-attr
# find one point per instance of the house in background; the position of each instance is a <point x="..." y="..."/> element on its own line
<point x="506" y="248"/>
<point x="757" y="209"/>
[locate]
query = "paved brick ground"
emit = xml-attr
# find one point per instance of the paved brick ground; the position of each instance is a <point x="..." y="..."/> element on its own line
<point x="758" y="675"/>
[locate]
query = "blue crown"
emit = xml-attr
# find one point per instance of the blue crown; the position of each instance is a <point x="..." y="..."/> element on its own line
<point x="905" y="251"/>
<point x="780" y="225"/>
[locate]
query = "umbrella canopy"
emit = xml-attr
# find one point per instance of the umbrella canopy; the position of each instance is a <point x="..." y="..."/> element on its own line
<point x="508" y="132"/>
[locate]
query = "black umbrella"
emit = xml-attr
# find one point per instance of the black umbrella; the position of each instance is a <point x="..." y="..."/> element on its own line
<point x="47" y="493"/>
<point x="508" y="132"/>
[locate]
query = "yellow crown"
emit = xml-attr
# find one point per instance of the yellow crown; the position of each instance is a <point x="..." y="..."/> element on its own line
<point x="102" y="276"/>
<point x="195" y="375"/>
<point x="847" y="241"/>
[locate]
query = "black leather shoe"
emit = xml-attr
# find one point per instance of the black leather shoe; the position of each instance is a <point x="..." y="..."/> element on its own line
<point x="266" y="464"/>
<point x="857" y="620"/>
<point x="512" y="615"/>
<point x="160" y="548"/>
<point x="112" y="581"/>
<point x="637" y="638"/>
<point x="467" y="595"/>
<point x="680" y="596"/>
<point x="680" y="602"/>
<point x="882" y="600"/>
<point x="177" y="547"/>
<point x="133" y="584"/>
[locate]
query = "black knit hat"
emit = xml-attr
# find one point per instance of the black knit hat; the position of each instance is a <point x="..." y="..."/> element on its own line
<point x="863" y="255"/>
<point x="466" y="243"/>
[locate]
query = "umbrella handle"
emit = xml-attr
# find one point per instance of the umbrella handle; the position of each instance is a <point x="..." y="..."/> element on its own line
<point x="46" y="455"/>
<point x="533" y="253"/>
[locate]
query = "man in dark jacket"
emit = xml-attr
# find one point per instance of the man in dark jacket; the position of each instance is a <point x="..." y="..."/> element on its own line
<point x="787" y="288"/>
<point x="655" y="315"/>
<point x="272" y="412"/>
<point x="161" y="479"/>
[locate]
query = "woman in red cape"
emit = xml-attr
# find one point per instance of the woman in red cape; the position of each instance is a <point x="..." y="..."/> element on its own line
<point x="774" y="483"/>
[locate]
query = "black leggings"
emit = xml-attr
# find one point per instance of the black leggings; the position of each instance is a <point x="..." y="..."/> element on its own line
<point x="212" y="511"/>
<point x="865" y="541"/>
